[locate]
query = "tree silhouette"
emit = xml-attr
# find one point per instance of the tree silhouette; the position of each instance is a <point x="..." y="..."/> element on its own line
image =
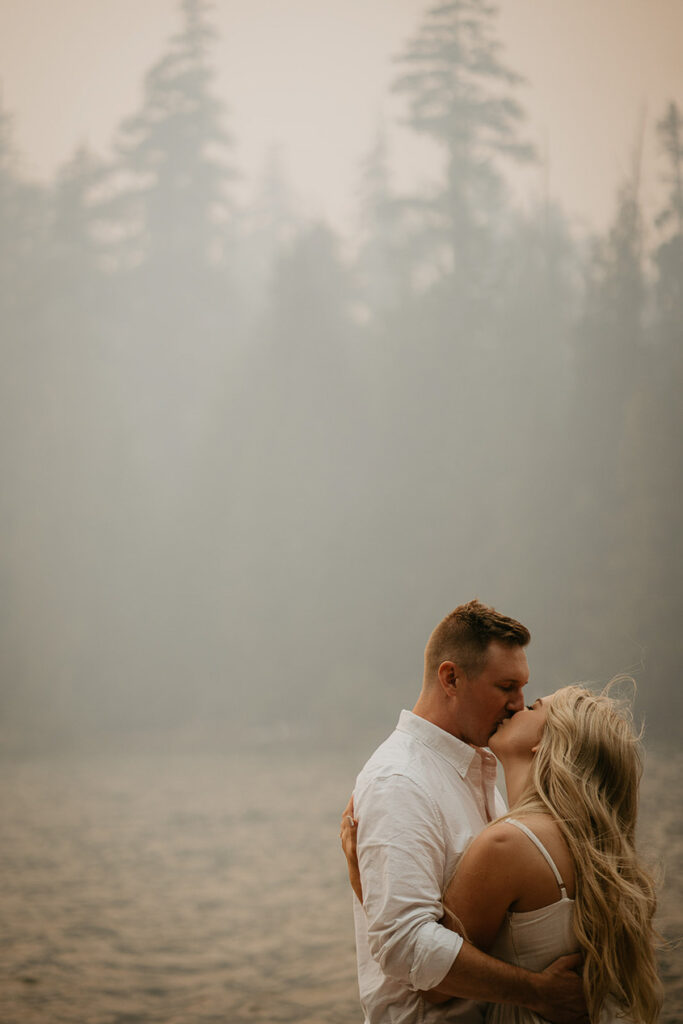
<point x="459" y="96"/>
<point x="77" y="245"/>
<point x="176" y="151"/>
<point x="23" y="212"/>
<point x="292" y="467"/>
<point x="268" y="225"/>
<point x="612" y="331"/>
<point x="663" y="474"/>
<point x="382" y="263"/>
<point x="619" y="478"/>
<point x="669" y="254"/>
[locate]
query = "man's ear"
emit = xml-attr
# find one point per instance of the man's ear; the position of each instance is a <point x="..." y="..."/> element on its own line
<point x="448" y="677"/>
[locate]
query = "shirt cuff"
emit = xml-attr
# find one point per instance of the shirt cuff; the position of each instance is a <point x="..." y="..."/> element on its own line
<point x="436" y="951"/>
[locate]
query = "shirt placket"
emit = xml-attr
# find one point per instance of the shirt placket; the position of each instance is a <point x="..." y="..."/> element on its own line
<point x="476" y="783"/>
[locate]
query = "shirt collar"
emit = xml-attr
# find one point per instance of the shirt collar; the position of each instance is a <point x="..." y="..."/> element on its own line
<point x="455" y="751"/>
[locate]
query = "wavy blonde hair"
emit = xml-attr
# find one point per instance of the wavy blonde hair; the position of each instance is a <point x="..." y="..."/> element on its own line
<point x="586" y="774"/>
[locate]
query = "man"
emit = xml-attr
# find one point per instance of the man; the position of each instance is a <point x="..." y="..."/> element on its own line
<point x="420" y="799"/>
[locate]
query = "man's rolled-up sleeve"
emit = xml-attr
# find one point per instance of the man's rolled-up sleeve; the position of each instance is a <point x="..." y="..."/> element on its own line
<point x="402" y="856"/>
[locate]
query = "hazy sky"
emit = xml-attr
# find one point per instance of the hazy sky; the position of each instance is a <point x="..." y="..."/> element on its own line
<point x="314" y="75"/>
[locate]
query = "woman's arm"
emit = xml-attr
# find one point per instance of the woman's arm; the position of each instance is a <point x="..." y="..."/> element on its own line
<point x="488" y="881"/>
<point x="348" y="833"/>
<point x="484" y="886"/>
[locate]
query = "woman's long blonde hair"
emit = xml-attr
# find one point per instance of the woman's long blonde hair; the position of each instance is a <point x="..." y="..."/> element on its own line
<point x="586" y="774"/>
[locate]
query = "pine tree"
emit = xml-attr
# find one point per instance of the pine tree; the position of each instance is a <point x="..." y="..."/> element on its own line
<point x="669" y="254"/>
<point x="22" y="228"/>
<point x="172" y="217"/>
<point x="22" y="232"/>
<point x="269" y="225"/>
<point x="77" y="243"/>
<point x="176" y="150"/>
<point x="382" y="264"/>
<point x="664" y="418"/>
<point x="614" y="511"/>
<point x="459" y="96"/>
<point x="289" y="491"/>
<point x="616" y="294"/>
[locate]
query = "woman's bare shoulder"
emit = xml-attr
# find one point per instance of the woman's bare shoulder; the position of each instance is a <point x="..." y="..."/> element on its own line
<point x="547" y="830"/>
<point x="503" y="833"/>
<point x="531" y="818"/>
<point x="504" y="847"/>
<point x="496" y="841"/>
<point x="543" y="826"/>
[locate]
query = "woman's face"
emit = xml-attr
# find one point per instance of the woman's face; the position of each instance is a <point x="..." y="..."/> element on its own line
<point x="522" y="733"/>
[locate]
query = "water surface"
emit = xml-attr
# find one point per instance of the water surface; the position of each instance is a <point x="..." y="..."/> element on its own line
<point x="188" y="889"/>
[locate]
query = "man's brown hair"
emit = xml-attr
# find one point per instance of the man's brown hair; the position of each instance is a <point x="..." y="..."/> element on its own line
<point x="466" y="632"/>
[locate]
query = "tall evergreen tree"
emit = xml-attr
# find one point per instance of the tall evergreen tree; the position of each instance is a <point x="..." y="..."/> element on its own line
<point x="614" y="513"/>
<point x="669" y="253"/>
<point x="22" y="228"/>
<point x="21" y="234"/>
<point x="382" y="263"/>
<point x="459" y="94"/>
<point x="54" y="465"/>
<point x="178" y="153"/>
<point x="291" y="455"/>
<point x="269" y="225"/>
<point x="77" y="244"/>
<point x="663" y="476"/>
<point x="612" y="331"/>
<point x="172" y="212"/>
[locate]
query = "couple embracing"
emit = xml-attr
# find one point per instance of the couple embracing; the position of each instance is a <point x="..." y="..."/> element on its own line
<point x="549" y="913"/>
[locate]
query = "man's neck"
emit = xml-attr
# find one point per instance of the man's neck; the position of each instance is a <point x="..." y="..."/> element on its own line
<point x="432" y="711"/>
<point x="429" y="709"/>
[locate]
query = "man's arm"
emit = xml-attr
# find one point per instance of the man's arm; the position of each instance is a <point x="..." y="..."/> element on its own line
<point x="556" y="994"/>
<point x="401" y="854"/>
<point x="490" y="878"/>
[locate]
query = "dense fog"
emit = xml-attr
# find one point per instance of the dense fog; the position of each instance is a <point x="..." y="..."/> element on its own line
<point x="249" y="460"/>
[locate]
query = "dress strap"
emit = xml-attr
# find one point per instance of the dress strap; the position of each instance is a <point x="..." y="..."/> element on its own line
<point x="539" y="846"/>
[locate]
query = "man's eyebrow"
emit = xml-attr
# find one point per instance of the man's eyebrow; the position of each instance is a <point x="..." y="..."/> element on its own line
<point x="539" y="700"/>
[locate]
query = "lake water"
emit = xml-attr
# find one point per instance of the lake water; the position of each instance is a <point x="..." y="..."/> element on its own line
<point x="186" y="889"/>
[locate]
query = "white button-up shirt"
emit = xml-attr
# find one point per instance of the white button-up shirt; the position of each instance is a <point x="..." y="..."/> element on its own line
<point x="420" y="799"/>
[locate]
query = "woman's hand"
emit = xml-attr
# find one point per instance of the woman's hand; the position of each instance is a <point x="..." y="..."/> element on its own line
<point x="348" y="833"/>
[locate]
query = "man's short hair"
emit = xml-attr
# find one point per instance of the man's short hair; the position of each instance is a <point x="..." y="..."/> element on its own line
<point x="465" y="634"/>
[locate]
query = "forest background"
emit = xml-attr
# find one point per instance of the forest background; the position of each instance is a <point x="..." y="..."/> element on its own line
<point x="250" y="458"/>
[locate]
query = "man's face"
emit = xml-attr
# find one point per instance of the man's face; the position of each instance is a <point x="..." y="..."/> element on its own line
<point x="484" y="700"/>
<point x="522" y="733"/>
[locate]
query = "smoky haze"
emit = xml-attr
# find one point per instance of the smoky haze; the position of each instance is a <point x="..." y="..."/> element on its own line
<point x="250" y="459"/>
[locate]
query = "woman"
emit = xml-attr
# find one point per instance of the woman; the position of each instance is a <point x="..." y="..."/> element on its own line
<point x="560" y="873"/>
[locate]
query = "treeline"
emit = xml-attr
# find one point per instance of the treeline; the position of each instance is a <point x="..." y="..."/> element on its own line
<point x="247" y="463"/>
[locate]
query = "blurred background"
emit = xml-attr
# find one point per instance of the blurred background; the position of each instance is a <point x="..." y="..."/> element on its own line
<point x="318" y="320"/>
<point x="267" y="417"/>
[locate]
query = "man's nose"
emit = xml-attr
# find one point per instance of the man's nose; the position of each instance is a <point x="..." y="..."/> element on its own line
<point x="516" y="703"/>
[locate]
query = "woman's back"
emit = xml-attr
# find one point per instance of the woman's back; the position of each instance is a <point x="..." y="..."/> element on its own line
<point x="535" y="938"/>
<point x="518" y="871"/>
